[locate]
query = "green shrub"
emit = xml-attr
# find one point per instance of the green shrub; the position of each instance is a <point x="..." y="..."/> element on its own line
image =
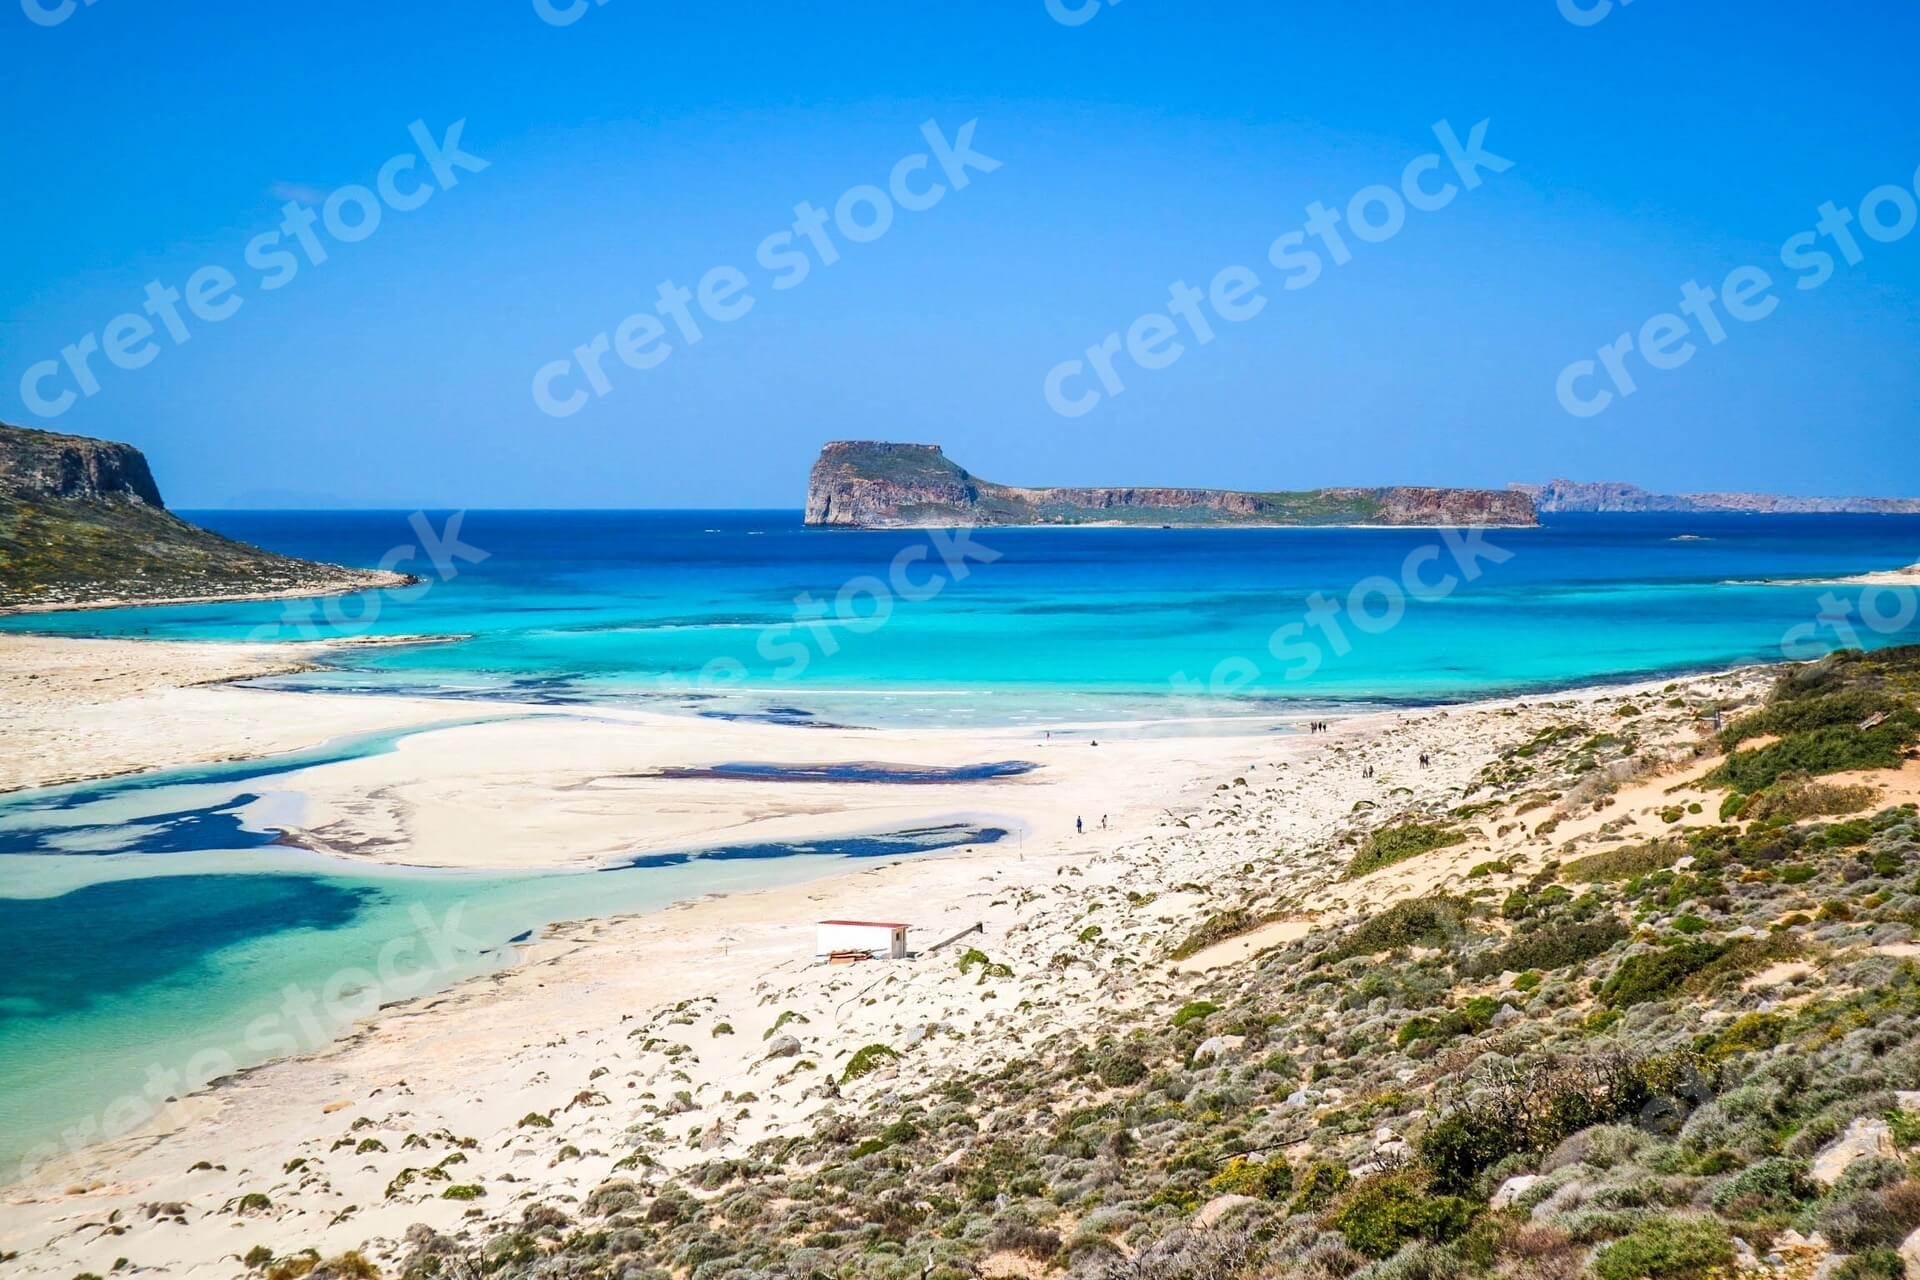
<point x="1655" y="975"/>
<point x="1836" y="749"/>
<point x="1774" y="1184"/>
<point x="1532" y="1106"/>
<point x="1879" y="1263"/>
<point x="1418" y="921"/>
<point x="464" y="1191"/>
<point x="1319" y="1183"/>
<point x="1383" y="1213"/>
<point x="1847" y="835"/>
<point x="786" y="1016"/>
<point x="1396" y="844"/>
<point x="868" y="1060"/>
<point x="1120" y="1066"/>
<point x="1194" y="1011"/>
<point x="1797" y="798"/>
<point x="1264" y="1180"/>
<point x="1666" y="1248"/>
<point x="1551" y="946"/>
<point x="1624" y="863"/>
<point x="1748" y="1033"/>
<point x="989" y="967"/>
<point x="1230" y="923"/>
<point x="1472" y="1017"/>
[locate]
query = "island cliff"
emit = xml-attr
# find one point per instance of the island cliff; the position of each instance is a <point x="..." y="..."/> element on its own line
<point x="868" y="484"/>
<point x="82" y="524"/>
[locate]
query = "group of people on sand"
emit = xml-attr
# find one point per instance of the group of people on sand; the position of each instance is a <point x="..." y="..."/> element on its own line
<point x="1079" y="828"/>
<point x="1318" y="726"/>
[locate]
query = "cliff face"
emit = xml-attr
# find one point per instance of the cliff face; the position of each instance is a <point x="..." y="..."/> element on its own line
<point x="869" y="484"/>
<point x="1612" y="497"/>
<point x="81" y="522"/>
<point x="42" y="464"/>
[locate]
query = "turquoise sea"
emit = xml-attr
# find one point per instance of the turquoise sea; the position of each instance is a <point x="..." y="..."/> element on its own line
<point x="165" y="927"/>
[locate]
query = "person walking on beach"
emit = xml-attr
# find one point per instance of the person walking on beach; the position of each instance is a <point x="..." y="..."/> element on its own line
<point x="1077" y="828"/>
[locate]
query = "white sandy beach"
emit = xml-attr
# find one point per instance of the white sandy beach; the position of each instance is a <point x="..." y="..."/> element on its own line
<point x="658" y="1032"/>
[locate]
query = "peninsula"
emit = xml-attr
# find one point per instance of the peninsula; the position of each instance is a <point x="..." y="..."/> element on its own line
<point x="864" y="484"/>
<point x="82" y="525"/>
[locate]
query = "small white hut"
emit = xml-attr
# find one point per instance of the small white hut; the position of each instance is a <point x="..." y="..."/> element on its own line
<point x="860" y="940"/>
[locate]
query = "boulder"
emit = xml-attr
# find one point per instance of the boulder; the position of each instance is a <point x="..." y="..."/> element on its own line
<point x="1863" y="1138"/>
<point x="1513" y="1188"/>
<point x="1218" y="1047"/>
<point x="783" y="1046"/>
<point x="1910" y="1255"/>
<point x="1219" y="1207"/>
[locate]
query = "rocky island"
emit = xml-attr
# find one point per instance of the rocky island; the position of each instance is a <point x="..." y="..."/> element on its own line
<point x="82" y="524"/>
<point x="864" y="484"/>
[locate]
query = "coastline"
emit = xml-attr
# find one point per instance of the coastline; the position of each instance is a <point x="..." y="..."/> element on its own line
<point x="356" y="581"/>
<point x="1906" y="577"/>
<point x="470" y="1059"/>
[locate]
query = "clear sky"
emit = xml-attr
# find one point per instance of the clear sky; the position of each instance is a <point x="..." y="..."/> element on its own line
<point x="1158" y="140"/>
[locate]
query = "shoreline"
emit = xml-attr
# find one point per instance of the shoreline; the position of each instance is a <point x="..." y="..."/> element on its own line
<point x="361" y="580"/>
<point x="1907" y="576"/>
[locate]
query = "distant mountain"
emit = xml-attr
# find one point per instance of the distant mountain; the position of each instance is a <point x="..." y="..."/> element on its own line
<point x="1613" y="497"/>
<point x="869" y="484"/>
<point x="82" y="522"/>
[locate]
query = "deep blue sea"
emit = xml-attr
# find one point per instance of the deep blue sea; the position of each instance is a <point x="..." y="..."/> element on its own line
<point x="166" y="925"/>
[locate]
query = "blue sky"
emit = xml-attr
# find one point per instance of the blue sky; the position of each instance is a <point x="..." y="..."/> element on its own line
<point x="1160" y="140"/>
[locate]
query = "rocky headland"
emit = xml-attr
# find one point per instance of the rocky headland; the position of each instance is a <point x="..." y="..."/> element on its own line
<point x="867" y="484"/>
<point x="82" y="524"/>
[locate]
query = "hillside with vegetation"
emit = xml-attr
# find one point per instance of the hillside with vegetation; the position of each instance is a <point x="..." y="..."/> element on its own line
<point x="82" y="522"/>
<point x="1626" y="988"/>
